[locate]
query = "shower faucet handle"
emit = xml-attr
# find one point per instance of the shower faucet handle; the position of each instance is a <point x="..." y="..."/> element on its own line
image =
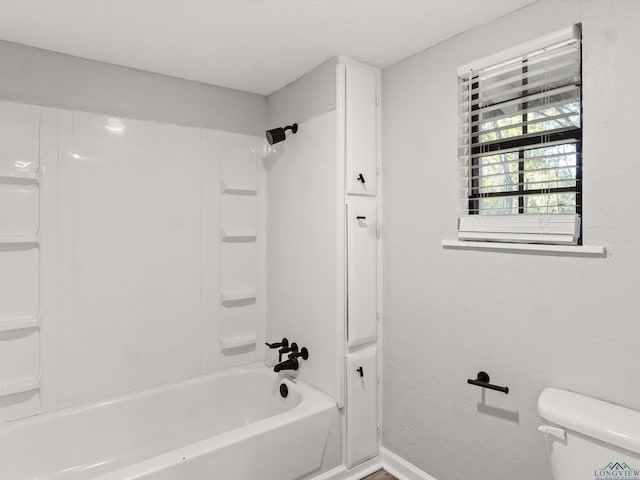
<point x="303" y="353"/>
<point x="293" y="348"/>
<point x="282" y="344"/>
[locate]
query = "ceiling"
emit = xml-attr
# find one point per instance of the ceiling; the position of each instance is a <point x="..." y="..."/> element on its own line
<point x="253" y="45"/>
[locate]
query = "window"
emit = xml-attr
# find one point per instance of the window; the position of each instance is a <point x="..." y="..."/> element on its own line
<point x="520" y="147"/>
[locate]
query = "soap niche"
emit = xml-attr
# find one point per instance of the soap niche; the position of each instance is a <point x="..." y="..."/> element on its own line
<point x="19" y="358"/>
<point x="238" y="332"/>
<point x="19" y="207"/>
<point x="238" y="297"/>
<point x="19" y="281"/>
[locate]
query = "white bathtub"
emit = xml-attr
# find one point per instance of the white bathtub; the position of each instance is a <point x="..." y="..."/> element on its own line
<point x="230" y="425"/>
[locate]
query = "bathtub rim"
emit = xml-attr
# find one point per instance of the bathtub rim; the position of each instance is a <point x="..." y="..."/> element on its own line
<point x="313" y="402"/>
<point x="257" y="367"/>
<point x="195" y="450"/>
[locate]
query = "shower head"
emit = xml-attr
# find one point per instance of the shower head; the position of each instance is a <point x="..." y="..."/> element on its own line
<point x="277" y="135"/>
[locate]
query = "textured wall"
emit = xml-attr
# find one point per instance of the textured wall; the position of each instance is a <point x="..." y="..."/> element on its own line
<point x="531" y="321"/>
<point x="41" y="77"/>
<point x="311" y="95"/>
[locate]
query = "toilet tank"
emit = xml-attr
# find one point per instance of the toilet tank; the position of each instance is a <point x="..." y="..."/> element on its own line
<point x="589" y="439"/>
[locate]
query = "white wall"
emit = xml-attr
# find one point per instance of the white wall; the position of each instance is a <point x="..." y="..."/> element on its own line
<point x="120" y="254"/>
<point x="302" y="225"/>
<point x="133" y="202"/>
<point x="129" y="270"/>
<point x="531" y="321"/>
<point x="141" y="212"/>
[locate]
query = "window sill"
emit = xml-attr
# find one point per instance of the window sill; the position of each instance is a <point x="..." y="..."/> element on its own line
<point x="599" y="251"/>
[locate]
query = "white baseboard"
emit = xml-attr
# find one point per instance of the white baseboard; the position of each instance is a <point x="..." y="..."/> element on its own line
<point x="356" y="473"/>
<point x="400" y="468"/>
<point x="392" y="463"/>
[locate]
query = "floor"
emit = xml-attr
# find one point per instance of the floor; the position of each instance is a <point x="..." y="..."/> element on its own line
<point x="380" y="475"/>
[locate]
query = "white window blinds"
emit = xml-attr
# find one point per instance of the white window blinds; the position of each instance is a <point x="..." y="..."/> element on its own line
<point x="520" y="144"/>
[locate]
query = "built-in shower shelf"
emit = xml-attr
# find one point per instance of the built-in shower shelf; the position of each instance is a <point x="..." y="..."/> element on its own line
<point x="19" y="324"/>
<point x="19" y="386"/>
<point x="231" y="189"/>
<point x="237" y="296"/>
<point x="230" y="235"/>
<point x="19" y="239"/>
<point x="19" y="176"/>
<point x="229" y="343"/>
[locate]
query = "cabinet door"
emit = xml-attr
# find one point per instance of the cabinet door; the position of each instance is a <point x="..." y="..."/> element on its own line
<point x="362" y="407"/>
<point x="362" y="283"/>
<point x="361" y="128"/>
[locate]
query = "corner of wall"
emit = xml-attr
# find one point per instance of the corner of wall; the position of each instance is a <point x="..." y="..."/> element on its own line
<point x="311" y="95"/>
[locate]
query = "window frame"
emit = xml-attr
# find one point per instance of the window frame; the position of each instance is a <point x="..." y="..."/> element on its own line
<point x="521" y="143"/>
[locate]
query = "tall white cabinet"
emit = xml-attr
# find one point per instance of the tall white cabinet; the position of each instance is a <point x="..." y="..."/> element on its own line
<point x="358" y="104"/>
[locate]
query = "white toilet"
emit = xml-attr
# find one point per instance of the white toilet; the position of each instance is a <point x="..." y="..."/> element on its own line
<point x="589" y="439"/>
